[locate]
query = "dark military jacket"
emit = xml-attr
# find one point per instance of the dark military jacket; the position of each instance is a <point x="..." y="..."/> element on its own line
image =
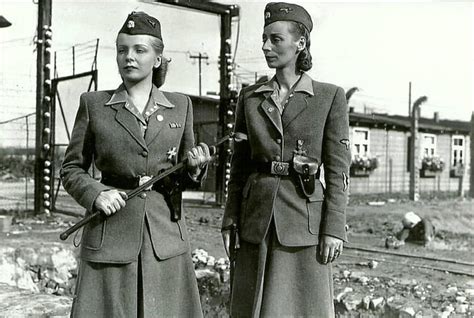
<point x="316" y="113"/>
<point x="107" y="133"/>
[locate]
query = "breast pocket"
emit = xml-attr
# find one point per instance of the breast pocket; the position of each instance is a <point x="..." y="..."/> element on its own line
<point x="314" y="206"/>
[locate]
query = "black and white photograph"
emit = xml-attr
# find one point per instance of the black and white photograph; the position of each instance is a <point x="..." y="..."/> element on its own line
<point x="246" y="158"/>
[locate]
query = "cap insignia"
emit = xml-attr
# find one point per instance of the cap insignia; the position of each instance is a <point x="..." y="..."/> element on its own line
<point x="153" y="23"/>
<point x="286" y="10"/>
<point x="267" y="15"/>
<point x="131" y="24"/>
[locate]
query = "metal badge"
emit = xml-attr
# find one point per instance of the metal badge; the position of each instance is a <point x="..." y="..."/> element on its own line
<point x="131" y="24"/>
<point x="175" y="125"/>
<point x="280" y="168"/>
<point x="286" y="10"/>
<point x="171" y="154"/>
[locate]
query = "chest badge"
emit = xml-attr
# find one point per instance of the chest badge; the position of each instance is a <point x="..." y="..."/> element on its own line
<point x="159" y="117"/>
<point x="175" y="125"/>
<point x="299" y="148"/>
<point x="171" y="154"/>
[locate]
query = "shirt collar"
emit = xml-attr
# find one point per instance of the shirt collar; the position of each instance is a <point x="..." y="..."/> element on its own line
<point x="120" y="95"/>
<point x="305" y="84"/>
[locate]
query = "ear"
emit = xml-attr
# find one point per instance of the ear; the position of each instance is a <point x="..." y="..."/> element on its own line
<point x="157" y="62"/>
<point x="301" y="44"/>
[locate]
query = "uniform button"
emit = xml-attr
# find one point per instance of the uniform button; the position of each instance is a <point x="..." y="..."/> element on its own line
<point x="278" y="141"/>
<point x="143" y="195"/>
<point x="291" y="95"/>
<point x="145" y="153"/>
<point x="277" y="158"/>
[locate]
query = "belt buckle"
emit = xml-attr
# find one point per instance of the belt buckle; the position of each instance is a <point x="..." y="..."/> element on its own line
<point x="280" y="168"/>
<point x="144" y="179"/>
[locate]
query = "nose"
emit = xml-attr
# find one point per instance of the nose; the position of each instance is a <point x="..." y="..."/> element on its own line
<point x="266" y="46"/>
<point x="129" y="56"/>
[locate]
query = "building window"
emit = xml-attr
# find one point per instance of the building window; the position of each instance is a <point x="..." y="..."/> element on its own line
<point x="428" y="145"/>
<point x="457" y="150"/>
<point x="360" y="142"/>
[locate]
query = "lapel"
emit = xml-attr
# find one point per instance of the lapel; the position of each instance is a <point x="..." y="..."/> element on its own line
<point x="164" y="112"/>
<point x="129" y="122"/>
<point x="297" y="104"/>
<point x="303" y="90"/>
<point x="271" y="111"/>
<point x="125" y="118"/>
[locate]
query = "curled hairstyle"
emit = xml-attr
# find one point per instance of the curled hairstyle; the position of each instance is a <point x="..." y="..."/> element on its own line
<point x="304" y="60"/>
<point x="159" y="73"/>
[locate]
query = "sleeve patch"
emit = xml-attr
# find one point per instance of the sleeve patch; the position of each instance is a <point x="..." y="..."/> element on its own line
<point x="345" y="142"/>
<point x="345" y="181"/>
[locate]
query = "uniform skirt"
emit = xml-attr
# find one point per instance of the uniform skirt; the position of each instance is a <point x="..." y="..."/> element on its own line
<point x="146" y="288"/>
<point x="271" y="280"/>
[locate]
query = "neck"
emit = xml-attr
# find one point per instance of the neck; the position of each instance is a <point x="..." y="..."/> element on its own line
<point x="139" y="88"/>
<point x="287" y="77"/>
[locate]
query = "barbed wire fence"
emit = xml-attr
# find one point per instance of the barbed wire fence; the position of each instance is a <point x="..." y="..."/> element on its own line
<point x="17" y="157"/>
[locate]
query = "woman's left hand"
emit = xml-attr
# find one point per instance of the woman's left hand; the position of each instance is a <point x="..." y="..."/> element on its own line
<point x="198" y="158"/>
<point x="330" y="248"/>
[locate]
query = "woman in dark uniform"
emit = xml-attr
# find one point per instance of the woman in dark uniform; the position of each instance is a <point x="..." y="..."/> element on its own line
<point x="135" y="263"/>
<point x="290" y="226"/>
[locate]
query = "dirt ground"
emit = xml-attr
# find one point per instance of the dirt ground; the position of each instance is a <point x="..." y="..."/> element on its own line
<point x="428" y="292"/>
<point x="424" y="290"/>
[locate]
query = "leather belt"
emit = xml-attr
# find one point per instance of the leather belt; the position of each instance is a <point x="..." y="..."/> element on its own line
<point x="279" y="168"/>
<point x="123" y="182"/>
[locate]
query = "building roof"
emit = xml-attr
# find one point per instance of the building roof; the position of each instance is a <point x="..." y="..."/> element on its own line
<point x="398" y="122"/>
<point x="379" y="120"/>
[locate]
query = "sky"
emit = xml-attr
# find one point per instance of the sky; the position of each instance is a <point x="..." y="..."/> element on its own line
<point x="376" y="46"/>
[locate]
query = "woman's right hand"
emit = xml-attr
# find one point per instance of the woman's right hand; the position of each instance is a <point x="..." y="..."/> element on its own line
<point x="110" y="201"/>
<point x="227" y="239"/>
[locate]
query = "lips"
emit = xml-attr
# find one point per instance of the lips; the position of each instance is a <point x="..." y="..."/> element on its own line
<point x="130" y="67"/>
<point x="270" y="57"/>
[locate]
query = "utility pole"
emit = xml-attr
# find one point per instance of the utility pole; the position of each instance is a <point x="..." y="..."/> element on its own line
<point x="200" y="57"/>
<point x="43" y="151"/>
<point x="471" y="185"/>
<point x="415" y="150"/>
<point x="409" y="99"/>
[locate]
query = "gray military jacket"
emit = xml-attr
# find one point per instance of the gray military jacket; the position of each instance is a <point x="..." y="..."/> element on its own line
<point x="108" y="134"/>
<point x="316" y="113"/>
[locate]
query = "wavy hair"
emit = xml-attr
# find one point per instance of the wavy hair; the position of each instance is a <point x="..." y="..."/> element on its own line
<point x="304" y="61"/>
<point x="159" y="73"/>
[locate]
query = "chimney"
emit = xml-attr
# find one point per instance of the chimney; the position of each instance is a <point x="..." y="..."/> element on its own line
<point x="351" y="109"/>
<point x="436" y="117"/>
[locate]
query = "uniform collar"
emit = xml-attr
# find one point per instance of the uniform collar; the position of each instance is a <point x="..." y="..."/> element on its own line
<point x="305" y="84"/>
<point x="120" y="95"/>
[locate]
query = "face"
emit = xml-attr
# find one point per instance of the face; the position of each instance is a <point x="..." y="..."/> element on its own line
<point x="136" y="57"/>
<point x="280" y="46"/>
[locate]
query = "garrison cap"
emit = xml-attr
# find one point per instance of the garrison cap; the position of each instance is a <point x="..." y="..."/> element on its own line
<point x="141" y="23"/>
<point x="281" y="11"/>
